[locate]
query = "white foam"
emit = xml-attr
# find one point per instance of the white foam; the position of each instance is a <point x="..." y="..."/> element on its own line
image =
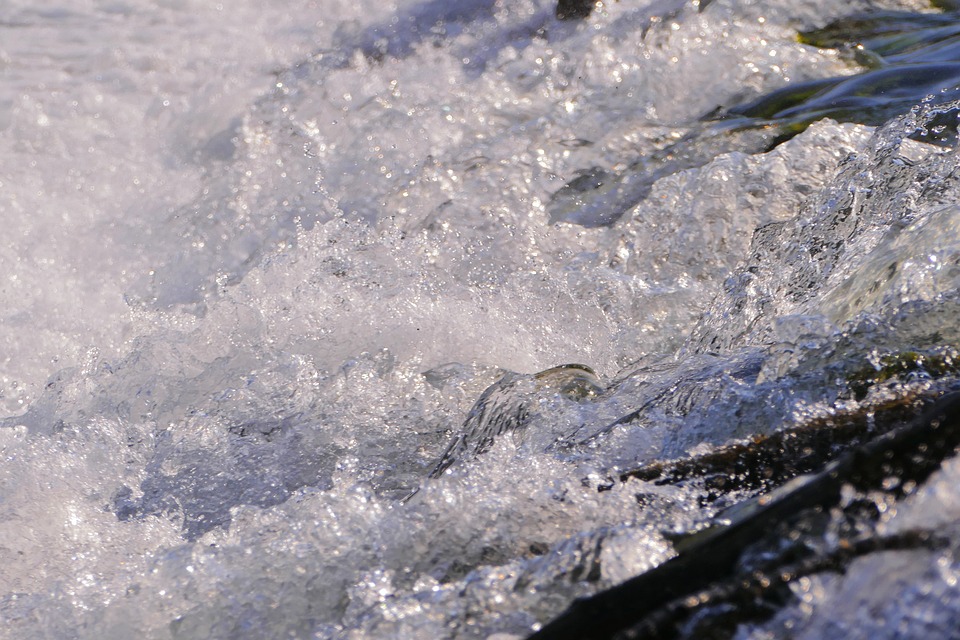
<point x="238" y="237"/>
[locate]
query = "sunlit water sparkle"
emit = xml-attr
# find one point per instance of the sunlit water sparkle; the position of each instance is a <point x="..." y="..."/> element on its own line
<point x="263" y="258"/>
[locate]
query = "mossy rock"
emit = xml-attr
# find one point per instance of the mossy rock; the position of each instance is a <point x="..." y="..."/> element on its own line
<point x="899" y="365"/>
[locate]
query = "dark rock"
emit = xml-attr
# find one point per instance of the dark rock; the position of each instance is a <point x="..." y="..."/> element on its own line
<point x="738" y="571"/>
<point x="574" y="9"/>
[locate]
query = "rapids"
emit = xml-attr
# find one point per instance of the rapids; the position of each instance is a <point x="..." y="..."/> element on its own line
<point x="263" y="259"/>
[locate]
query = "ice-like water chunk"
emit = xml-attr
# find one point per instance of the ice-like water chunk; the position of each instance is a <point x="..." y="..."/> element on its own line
<point x="793" y="265"/>
<point x="921" y="261"/>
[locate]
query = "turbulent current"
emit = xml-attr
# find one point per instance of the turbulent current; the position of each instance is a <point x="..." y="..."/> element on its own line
<point x="365" y="319"/>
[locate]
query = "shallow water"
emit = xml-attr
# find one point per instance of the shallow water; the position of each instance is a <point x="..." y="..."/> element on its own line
<point x="264" y="258"/>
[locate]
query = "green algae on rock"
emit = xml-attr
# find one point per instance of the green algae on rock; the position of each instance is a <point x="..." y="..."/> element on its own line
<point x="934" y="364"/>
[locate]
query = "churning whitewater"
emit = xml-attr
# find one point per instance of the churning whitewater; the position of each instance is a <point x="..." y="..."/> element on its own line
<point x="426" y="319"/>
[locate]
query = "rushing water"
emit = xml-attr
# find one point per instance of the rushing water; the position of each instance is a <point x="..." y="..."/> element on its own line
<point x="264" y="258"/>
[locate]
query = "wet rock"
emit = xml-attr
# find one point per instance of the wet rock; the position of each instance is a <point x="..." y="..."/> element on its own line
<point x="738" y="571"/>
<point x="574" y="9"/>
<point x="909" y="56"/>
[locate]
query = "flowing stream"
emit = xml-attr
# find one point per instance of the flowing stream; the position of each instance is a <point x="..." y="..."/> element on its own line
<point x="289" y="290"/>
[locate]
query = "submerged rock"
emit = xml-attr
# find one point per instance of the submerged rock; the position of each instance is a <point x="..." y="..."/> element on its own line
<point x="911" y="57"/>
<point x="507" y="404"/>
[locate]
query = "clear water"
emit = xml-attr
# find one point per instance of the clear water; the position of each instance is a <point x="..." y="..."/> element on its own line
<point x="263" y="258"/>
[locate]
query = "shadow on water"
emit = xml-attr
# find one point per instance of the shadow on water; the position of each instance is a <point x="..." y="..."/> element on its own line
<point x="909" y="59"/>
<point x="436" y="22"/>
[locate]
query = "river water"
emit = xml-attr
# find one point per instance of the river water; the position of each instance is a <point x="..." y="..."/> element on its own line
<point x="262" y="258"/>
